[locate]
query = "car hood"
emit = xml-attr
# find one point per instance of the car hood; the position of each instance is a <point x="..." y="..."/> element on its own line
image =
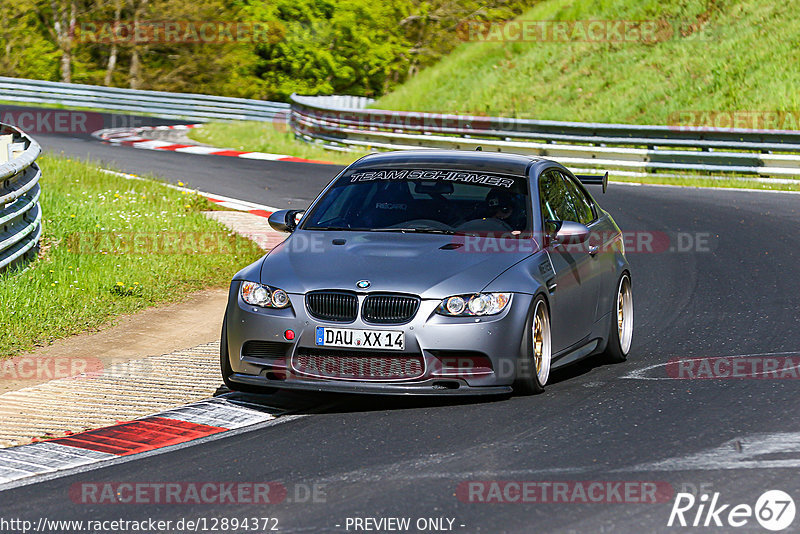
<point x="405" y="263"/>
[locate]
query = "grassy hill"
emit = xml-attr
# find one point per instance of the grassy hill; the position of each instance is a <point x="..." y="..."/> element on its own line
<point x="724" y="55"/>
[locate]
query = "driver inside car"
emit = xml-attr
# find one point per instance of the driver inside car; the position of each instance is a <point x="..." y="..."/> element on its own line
<point x="501" y="206"/>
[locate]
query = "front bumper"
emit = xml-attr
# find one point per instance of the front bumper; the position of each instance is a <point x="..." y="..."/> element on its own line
<point x="435" y="338"/>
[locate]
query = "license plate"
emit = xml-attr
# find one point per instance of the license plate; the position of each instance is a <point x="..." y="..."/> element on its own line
<point x="359" y="339"/>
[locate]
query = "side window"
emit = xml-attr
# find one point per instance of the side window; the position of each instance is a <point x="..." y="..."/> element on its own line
<point x="580" y="202"/>
<point x="556" y="200"/>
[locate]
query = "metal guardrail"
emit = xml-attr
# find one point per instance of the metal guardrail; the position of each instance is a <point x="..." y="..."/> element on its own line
<point x="586" y="145"/>
<point x="20" y="213"/>
<point x="344" y="121"/>
<point x="186" y="106"/>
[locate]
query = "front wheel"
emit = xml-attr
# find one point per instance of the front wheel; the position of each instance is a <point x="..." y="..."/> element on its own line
<point x="533" y="369"/>
<point x="620" y="332"/>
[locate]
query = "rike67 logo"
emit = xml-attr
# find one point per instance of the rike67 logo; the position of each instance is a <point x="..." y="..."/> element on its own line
<point x="774" y="510"/>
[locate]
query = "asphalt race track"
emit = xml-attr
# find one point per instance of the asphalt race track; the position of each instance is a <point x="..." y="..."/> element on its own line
<point x="734" y="294"/>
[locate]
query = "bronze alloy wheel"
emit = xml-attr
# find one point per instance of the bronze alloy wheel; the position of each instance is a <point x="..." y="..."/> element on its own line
<point x="625" y="314"/>
<point x="541" y="342"/>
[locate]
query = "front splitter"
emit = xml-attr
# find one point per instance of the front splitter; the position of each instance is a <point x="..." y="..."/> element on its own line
<point x="427" y="387"/>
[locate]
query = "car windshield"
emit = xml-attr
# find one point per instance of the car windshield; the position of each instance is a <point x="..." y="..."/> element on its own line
<point x="426" y="201"/>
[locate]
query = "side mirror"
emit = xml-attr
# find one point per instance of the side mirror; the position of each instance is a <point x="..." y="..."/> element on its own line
<point x="572" y="233"/>
<point x="284" y="220"/>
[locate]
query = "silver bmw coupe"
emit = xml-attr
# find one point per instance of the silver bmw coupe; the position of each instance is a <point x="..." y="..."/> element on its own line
<point x="433" y="272"/>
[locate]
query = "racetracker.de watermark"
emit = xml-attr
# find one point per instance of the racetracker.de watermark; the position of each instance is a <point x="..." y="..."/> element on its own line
<point x="178" y="32"/>
<point x="65" y="122"/>
<point x="44" y="368"/>
<point x="53" y="121"/>
<point x="210" y="492"/>
<point x="759" y="367"/>
<point x="566" y="31"/>
<point x="632" y="242"/>
<point x="49" y="367"/>
<point x="726" y="121"/>
<point x="316" y="121"/>
<point x="564" y="492"/>
<point x="141" y="243"/>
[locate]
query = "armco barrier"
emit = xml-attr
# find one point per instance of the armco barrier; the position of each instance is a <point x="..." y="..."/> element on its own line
<point x="344" y="121"/>
<point x="336" y="121"/>
<point x="194" y="107"/>
<point x="20" y="213"/>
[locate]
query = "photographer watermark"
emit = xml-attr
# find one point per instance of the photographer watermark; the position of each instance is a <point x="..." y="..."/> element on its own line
<point x="774" y="510"/>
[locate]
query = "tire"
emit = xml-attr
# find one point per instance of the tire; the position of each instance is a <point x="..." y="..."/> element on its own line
<point x="227" y="371"/>
<point x="533" y="367"/>
<point x="620" y="332"/>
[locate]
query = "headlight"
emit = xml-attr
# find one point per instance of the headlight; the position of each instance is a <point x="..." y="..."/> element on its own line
<point x="477" y="304"/>
<point x="264" y="296"/>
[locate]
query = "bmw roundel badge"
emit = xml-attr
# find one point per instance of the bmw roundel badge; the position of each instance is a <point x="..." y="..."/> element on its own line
<point x="363" y="284"/>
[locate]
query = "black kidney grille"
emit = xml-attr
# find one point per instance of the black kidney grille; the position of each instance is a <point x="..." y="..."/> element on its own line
<point x="389" y="309"/>
<point x="332" y="306"/>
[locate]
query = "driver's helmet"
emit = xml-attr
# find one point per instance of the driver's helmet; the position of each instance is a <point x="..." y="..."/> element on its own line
<point x="499" y="200"/>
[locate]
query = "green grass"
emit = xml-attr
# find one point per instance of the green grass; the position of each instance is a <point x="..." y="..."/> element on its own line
<point x="267" y="137"/>
<point x="726" y="55"/>
<point x="111" y="246"/>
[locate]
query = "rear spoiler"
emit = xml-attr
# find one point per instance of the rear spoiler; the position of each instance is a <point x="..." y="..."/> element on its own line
<point x="594" y="179"/>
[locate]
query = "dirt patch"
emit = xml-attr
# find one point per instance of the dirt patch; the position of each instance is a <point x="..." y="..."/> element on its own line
<point x="151" y="332"/>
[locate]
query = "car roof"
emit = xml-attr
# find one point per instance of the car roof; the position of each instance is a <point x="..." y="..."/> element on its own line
<point x="496" y="162"/>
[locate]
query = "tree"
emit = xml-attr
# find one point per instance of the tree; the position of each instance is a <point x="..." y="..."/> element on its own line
<point x="63" y="16"/>
<point x="26" y="49"/>
<point x="112" y="57"/>
<point x="360" y="47"/>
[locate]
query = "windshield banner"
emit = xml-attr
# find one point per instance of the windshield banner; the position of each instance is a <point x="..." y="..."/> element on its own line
<point x="428" y="174"/>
